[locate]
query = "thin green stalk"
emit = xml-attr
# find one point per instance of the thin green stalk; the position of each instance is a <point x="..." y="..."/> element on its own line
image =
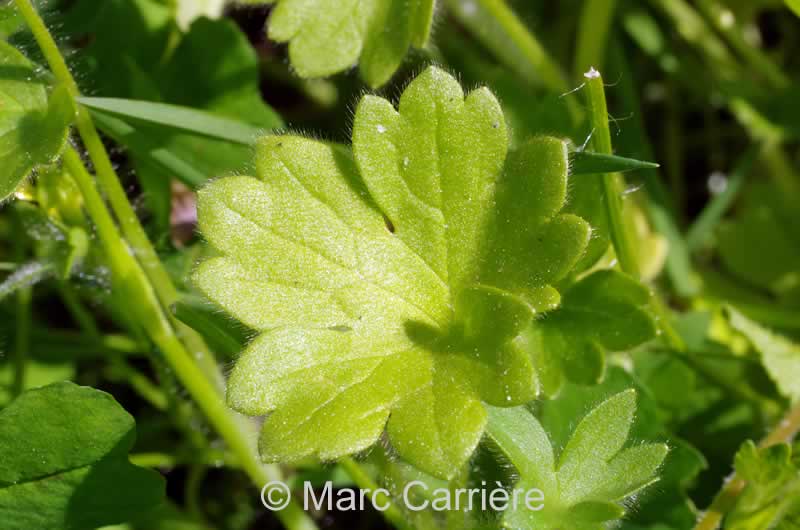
<point x="664" y="318"/>
<point x="107" y="177"/>
<point x="726" y="499"/>
<point x="210" y="458"/>
<point x="593" y="29"/>
<point x="22" y="340"/>
<point x="147" y="311"/>
<point x="612" y="197"/>
<point x="659" y="205"/>
<point x="612" y="183"/>
<point x="22" y="337"/>
<point x="365" y="482"/>
<point x="77" y="311"/>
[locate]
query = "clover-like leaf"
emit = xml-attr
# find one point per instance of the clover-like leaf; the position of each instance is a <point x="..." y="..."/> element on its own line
<point x="32" y="131"/>
<point x="587" y="483"/>
<point x="328" y="36"/>
<point x="64" y="463"/>
<point x="369" y="280"/>
<point x="602" y="312"/>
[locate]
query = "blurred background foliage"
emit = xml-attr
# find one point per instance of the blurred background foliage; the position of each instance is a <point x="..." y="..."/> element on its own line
<point x="708" y="88"/>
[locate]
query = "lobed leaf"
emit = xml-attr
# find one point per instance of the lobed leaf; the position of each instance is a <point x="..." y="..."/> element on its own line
<point x="585" y="485"/>
<point x="329" y="36"/>
<point x="372" y="281"/>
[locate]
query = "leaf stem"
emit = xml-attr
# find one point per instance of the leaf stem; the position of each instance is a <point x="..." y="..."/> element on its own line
<point x="22" y="337"/>
<point x="726" y="499"/>
<point x="147" y="312"/>
<point x="612" y="182"/>
<point x="108" y="179"/>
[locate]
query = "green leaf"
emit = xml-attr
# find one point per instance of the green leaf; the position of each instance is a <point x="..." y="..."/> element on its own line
<point x="32" y="130"/>
<point x="587" y="163"/>
<point x="603" y="312"/>
<point x="115" y="67"/>
<point x="373" y="297"/>
<point x="794" y="5"/>
<point x="667" y="503"/>
<point x="10" y="21"/>
<point x="773" y="483"/>
<point x="64" y="465"/>
<point x="591" y="478"/>
<point x="531" y="244"/>
<point x="780" y="356"/>
<point x="227" y="86"/>
<point x="329" y="36"/>
<point x="176" y="117"/>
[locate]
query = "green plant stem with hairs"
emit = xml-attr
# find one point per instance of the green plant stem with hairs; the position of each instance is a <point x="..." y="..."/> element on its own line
<point x="612" y="182"/>
<point x="142" y="288"/>
<point x="22" y="338"/>
<point x="110" y="183"/>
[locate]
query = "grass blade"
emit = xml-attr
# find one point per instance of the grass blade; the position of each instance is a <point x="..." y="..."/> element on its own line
<point x="177" y="117"/>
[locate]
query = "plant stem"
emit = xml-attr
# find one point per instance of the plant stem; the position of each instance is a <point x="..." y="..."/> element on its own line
<point x="595" y="21"/>
<point x="659" y="204"/>
<point x="22" y="337"/>
<point x="612" y="183"/>
<point x="107" y="177"/>
<point x="392" y="514"/>
<point x="726" y="499"/>
<point x="210" y="457"/>
<point x="134" y="284"/>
